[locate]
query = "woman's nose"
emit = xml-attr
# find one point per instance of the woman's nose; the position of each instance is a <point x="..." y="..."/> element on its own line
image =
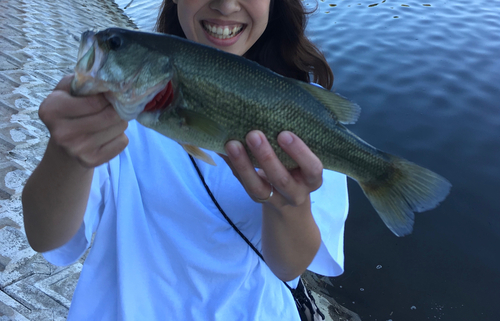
<point x="225" y="7"/>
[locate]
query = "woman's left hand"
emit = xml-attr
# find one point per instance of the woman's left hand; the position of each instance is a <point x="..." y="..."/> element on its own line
<point x="288" y="187"/>
<point x="290" y="236"/>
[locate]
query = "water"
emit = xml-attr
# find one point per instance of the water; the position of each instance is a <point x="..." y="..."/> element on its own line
<point x="427" y="76"/>
<point x="142" y="12"/>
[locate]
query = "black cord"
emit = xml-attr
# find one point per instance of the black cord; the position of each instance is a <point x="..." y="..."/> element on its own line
<point x="227" y="218"/>
<point x="298" y="294"/>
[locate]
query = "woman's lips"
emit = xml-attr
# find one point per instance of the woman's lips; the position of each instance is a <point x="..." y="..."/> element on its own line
<point x="222" y="35"/>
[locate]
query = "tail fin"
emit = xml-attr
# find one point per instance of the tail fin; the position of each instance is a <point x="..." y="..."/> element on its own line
<point x="408" y="189"/>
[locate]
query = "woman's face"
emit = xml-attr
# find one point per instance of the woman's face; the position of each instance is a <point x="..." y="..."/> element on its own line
<point x="229" y="25"/>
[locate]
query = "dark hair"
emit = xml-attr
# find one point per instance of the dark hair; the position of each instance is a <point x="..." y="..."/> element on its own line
<point x="283" y="47"/>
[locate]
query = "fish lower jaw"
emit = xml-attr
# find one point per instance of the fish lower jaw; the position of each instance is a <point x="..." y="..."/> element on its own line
<point x="148" y="119"/>
<point x="126" y="111"/>
<point x="222" y="32"/>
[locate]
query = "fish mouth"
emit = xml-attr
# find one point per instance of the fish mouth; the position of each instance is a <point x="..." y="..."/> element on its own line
<point x="131" y="103"/>
<point x="102" y="69"/>
<point x="222" y="32"/>
<point x="91" y="79"/>
<point x="90" y="59"/>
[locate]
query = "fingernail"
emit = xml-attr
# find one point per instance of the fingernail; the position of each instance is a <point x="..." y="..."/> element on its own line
<point x="286" y="138"/>
<point x="233" y="149"/>
<point x="254" y="140"/>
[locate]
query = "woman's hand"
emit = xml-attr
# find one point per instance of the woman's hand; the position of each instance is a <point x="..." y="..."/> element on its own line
<point x="289" y="187"/>
<point x="88" y="129"/>
<point x="85" y="132"/>
<point x="290" y="236"/>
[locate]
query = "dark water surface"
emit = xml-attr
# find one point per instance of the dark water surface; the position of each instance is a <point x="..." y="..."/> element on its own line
<point x="428" y="83"/>
<point x="427" y="76"/>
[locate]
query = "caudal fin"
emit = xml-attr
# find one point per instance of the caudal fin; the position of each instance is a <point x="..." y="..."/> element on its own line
<point x="409" y="188"/>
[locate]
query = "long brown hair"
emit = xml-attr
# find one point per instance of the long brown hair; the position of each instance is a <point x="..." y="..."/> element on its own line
<point x="283" y="47"/>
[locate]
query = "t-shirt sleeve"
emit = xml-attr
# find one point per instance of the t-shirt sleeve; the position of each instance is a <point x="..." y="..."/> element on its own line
<point x="330" y="205"/>
<point x="70" y="252"/>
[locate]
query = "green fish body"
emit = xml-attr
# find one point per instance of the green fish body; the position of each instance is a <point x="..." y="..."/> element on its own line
<point x="219" y="97"/>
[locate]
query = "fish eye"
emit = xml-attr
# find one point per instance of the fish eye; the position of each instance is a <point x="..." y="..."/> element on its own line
<point x="114" y="42"/>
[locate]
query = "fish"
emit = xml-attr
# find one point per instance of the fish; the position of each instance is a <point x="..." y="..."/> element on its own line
<point x="203" y="97"/>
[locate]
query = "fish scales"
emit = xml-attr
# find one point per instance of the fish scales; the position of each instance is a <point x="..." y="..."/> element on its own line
<point x="219" y="97"/>
<point x="263" y="104"/>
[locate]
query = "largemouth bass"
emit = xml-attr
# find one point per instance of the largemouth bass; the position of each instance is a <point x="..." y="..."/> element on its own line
<point x="203" y="97"/>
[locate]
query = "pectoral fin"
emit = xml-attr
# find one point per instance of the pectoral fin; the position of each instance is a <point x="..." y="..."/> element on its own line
<point x="202" y="123"/>
<point x="198" y="153"/>
<point x="343" y="110"/>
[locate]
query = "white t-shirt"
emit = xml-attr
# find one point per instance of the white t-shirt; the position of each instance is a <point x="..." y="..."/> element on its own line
<point x="163" y="251"/>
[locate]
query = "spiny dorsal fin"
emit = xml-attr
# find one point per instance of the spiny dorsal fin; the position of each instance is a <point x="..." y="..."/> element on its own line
<point x="344" y="111"/>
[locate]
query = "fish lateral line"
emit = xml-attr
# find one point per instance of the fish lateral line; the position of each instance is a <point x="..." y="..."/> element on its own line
<point x="163" y="99"/>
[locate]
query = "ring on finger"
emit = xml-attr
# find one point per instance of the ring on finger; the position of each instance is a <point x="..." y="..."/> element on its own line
<point x="259" y="200"/>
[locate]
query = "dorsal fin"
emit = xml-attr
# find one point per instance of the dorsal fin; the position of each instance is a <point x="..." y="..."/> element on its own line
<point x="344" y="111"/>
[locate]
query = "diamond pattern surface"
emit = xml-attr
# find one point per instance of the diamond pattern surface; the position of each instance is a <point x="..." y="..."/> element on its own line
<point x="38" y="46"/>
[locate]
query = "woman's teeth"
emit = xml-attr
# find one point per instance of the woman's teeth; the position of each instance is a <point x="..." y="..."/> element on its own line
<point x="222" y="32"/>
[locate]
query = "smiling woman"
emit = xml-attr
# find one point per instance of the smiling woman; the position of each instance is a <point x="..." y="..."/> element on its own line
<point x="281" y="46"/>
<point x="222" y="32"/>
<point x="210" y="22"/>
<point x="161" y="247"/>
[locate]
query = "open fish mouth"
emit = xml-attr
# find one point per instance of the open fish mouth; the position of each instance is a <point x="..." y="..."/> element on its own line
<point x="93" y="77"/>
<point x="90" y="60"/>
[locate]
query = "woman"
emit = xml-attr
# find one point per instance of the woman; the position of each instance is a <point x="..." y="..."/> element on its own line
<point x="162" y="249"/>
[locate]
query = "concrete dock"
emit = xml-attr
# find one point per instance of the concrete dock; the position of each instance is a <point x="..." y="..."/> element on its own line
<point x="38" y="46"/>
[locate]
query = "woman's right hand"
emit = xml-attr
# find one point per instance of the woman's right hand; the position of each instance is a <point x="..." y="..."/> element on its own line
<point x="85" y="132"/>
<point x="87" y="129"/>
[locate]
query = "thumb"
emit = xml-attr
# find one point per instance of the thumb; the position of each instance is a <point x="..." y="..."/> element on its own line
<point x="65" y="83"/>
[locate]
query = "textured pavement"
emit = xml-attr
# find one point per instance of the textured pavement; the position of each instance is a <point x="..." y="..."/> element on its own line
<point x="38" y="47"/>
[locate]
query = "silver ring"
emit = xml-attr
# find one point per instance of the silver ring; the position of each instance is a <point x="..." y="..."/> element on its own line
<point x="268" y="198"/>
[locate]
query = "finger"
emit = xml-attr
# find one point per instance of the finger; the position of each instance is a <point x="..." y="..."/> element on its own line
<point x="60" y="104"/>
<point x="91" y="143"/>
<point x="65" y="104"/>
<point x="72" y="133"/>
<point x="256" y="187"/>
<point x="107" y="135"/>
<point x="75" y="107"/>
<point x="310" y="165"/>
<point x="97" y="122"/>
<point x="114" y="147"/>
<point x="106" y="152"/>
<point x="89" y="105"/>
<point x="276" y="173"/>
<point x="65" y="83"/>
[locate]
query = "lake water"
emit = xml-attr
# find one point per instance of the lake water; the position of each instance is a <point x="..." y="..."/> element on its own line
<point x="427" y="76"/>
